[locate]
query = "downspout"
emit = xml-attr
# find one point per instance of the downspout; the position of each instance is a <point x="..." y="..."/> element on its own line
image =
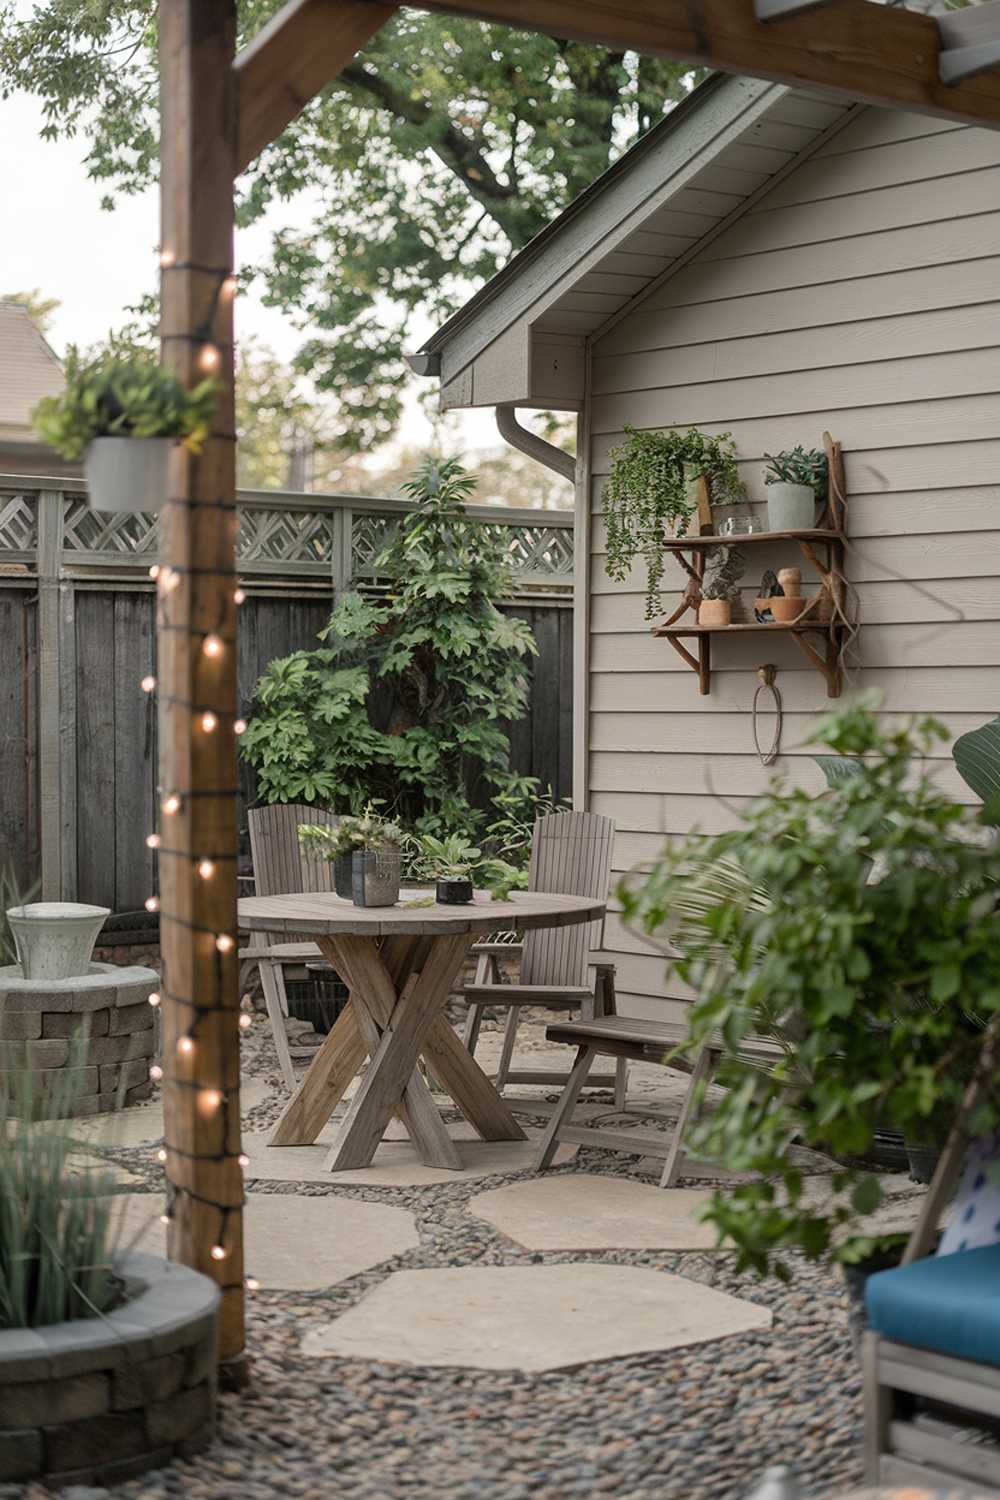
<point x="534" y="446"/>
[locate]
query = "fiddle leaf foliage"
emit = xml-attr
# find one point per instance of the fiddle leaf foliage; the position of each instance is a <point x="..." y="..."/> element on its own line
<point x="405" y="701"/>
<point x="861" y="930"/>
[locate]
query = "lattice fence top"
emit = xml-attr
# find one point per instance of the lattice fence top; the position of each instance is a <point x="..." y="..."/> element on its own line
<point x="336" y="537"/>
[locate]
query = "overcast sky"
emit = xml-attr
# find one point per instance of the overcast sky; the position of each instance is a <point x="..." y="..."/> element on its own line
<point x="57" y="237"/>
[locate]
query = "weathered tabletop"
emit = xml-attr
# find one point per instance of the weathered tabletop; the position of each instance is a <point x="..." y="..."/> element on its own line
<point x="399" y="963"/>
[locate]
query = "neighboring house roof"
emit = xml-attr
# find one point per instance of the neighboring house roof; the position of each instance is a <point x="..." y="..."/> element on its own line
<point x="29" y="370"/>
<point x="521" y="339"/>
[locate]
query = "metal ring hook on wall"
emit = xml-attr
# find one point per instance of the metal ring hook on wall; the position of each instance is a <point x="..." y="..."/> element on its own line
<point x="767" y="674"/>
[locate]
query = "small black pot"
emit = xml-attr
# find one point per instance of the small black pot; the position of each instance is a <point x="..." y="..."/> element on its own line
<point x="454" y="892"/>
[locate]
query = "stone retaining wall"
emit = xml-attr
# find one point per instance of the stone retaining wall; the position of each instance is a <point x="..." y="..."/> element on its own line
<point x="94" y="1035"/>
<point x="103" y="1399"/>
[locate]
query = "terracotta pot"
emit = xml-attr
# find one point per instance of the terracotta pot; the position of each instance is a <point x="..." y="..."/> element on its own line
<point x="785" y="610"/>
<point x="791" y="581"/>
<point x="714" y="612"/>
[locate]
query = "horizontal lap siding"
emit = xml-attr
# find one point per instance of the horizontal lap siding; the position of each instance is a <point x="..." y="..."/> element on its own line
<point x="861" y="295"/>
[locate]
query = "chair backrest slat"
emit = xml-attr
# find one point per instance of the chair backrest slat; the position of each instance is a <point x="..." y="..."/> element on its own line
<point x="279" y="864"/>
<point x="571" y="855"/>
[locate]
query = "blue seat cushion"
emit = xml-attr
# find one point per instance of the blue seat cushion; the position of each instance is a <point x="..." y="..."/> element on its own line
<point x="950" y="1303"/>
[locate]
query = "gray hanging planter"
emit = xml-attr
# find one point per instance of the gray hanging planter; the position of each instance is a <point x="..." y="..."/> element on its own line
<point x="128" y="473"/>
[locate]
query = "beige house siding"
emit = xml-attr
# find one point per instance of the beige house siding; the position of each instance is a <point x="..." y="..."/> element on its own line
<point x="862" y="295"/>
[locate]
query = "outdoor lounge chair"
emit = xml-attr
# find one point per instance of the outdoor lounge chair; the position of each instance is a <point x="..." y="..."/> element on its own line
<point x="934" y="1331"/>
<point x="639" y="1040"/>
<point x="280" y="865"/>
<point x="571" y="853"/>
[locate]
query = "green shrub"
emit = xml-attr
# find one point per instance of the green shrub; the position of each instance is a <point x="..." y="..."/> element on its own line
<point x="403" y="704"/>
<point x="118" y="391"/>
<point x="861" y="929"/>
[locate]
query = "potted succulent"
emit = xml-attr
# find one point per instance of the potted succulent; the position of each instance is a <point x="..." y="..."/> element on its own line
<point x="721" y="600"/>
<point x="648" y="493"/>
<point x="336" y="843"/>
<point x="123" y="413"/>
<point x="861" y="930"/>
<point x="450" y="862"/>
<point x="795" y="480"/>
<point x="376" y="858"/>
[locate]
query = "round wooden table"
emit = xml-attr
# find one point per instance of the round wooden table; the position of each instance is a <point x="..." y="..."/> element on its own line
<point x="399" y="963"/>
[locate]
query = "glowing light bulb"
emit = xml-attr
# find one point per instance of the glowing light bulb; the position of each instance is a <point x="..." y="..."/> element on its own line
<point x="212" y="645"/>
<point x="156" y="1072"/>
<point x="243" y="1159"/>
<point x="154" y="571"/>
<point x="240" y="727"/>
<point x="224" y="942"/>
<point x="218" y="1252"/>
<point x="209" y="722"/>
<point x="211" y="1098"/>
<point x="206" y="869"/>
<point x="171" y="804"/>
<point x="153" y="841"/>
<point x="161" y="1155"/>
<point x="152" y="903"/>
<point x="209" y="358"/>
<point x="185" y="1045"/>
<point x="154" y="998"/>
<point x="164" y="1218"/>
<point x="252" y="1284"/>
<point x="167" y="258"/>
<point x="239" y="596"/>
<point x="228" y="287"/>
<point x="148" y="683"/>
<point x="171" y="580"/>
<point x="245" y="1022"/>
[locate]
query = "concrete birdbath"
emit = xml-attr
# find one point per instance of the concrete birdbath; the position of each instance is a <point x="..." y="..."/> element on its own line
<point x="55" y="939"/>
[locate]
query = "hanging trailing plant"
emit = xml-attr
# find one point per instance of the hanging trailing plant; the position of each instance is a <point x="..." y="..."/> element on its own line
<point x="648" y="492"/>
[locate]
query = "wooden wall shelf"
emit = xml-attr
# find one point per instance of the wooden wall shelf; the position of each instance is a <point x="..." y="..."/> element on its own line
<point x="829" y="538"/>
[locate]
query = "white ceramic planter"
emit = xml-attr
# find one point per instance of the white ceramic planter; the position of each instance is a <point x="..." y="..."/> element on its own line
<point x="128" y="474"/>
<point x="790" y="507"/>
<point x="54" y="939"/>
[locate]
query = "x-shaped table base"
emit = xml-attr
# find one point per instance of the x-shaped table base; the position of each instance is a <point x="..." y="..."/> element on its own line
<point x="399" y="987"/>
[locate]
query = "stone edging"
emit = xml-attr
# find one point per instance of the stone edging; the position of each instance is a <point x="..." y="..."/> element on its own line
<point x="102" y="1399"/>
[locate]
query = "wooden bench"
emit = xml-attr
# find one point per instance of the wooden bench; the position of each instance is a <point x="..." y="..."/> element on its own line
<point x="636" y="1040"/>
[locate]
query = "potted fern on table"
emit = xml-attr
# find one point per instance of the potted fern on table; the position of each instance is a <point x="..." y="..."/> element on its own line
<point x="124" y="414"/>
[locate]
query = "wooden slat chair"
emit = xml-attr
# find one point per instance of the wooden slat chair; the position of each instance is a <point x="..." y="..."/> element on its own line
<point x="571" y="853"/>
<point x="280" y="866"/>
<point x="934" y="1332"/>
<point x="634" y="1039"/>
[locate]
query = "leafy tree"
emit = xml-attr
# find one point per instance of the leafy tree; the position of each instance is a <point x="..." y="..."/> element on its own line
<point x="405" y="701"/>
<point x="441" y="149"/>
<point x="41" y="309"/>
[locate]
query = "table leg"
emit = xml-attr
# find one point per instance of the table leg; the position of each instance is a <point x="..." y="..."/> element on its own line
<point x="468" y="1085"/>
<point x="337" y="1062"/>
<point x="374" y="1004"/>
<point x="418" y="999"/>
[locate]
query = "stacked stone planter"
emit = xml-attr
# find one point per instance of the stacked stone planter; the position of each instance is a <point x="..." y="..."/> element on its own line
<point x="102" y="1399"/>
<point x="108" y="1008"/>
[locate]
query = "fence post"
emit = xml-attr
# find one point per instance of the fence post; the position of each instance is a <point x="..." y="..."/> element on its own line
<point x="50" y="801"/>
<point x="341" y="550"/>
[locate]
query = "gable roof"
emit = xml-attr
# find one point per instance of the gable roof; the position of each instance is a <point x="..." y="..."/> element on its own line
<point x="29" y="370"/>
<point x="521" y="338"/>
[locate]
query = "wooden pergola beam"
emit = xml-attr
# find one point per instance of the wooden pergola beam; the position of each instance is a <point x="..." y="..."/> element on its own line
<point x="291" y="59"/>
<point x="853" y="49"/>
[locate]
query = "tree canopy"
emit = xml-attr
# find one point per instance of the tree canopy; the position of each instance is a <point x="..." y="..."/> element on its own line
<point x="441" y="149"/>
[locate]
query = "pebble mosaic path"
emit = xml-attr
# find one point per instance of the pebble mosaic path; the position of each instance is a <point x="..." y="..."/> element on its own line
<point x="697" y="1422"/>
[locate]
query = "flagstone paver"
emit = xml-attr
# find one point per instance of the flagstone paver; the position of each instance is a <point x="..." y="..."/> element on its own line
<point x="580" y="1212"/>
<point x="396" y="1163"/>
<point x="531" y="1317"/>
<point x="295" y="1244"/>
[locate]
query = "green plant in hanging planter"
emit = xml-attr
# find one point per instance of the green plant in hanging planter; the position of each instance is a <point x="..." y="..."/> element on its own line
<point x="120" y="391"/>
<point x="648" y="492"/>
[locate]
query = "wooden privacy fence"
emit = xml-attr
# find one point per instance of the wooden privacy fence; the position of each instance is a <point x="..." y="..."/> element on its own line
<point x="78" y="739"/>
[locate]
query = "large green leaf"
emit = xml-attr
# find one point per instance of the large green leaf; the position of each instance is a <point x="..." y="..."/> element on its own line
<point x="977" y="759"/>
<point x="838" y="768"/>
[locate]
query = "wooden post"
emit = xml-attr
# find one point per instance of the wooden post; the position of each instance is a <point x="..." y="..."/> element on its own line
<point x="196" y="628"/>
<point x="50" y="540"/>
